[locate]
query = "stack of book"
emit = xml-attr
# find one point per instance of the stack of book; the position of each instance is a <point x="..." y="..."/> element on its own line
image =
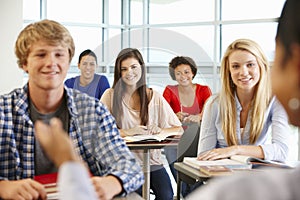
<point x="50" y="183"/>
<point x="228" y="165"/>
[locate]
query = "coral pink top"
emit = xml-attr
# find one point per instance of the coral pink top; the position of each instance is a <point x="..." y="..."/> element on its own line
<point x="171" y="94"/>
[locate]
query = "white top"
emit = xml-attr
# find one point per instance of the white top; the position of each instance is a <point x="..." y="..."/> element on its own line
<point x="74" y="182"/>
<point x="160" y="114"/>
<point x="275" y="126"/>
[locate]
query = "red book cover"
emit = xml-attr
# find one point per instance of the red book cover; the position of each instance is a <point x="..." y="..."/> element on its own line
<point x="49" y="181"/>
<point x="46" y="178"/>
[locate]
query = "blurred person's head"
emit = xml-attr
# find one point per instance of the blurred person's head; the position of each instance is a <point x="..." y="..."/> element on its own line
<point x="286" y="69"/>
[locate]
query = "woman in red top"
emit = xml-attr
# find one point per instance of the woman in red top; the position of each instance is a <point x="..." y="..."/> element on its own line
<point x="186" y="99"/>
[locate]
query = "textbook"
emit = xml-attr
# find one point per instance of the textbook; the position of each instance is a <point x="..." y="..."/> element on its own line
<point x="50" y="183"/>
<point x="228" y="163"/>
<point x="234" y="162"/>
<point x="157" y="137"/>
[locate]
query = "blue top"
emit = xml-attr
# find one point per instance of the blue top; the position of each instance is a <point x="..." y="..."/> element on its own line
<point x="95" y="89"/>
<point x="276" y="126"/>
<point x="93" y="132"/>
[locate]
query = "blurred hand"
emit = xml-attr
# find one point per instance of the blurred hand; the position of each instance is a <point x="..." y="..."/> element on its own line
<point x="22" y="189"/>
<point x="55" y="141"/>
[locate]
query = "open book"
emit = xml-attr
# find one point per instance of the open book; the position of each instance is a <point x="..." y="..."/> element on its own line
<point x="234" y="162"/>
<point x="257" y="162"/>
<point x="164" y="135"/>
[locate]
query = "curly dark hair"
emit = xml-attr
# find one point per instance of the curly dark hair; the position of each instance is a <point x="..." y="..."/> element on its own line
<point x="179" y="60"/>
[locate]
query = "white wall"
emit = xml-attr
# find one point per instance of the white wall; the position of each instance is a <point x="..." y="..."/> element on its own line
<point x="11" y="22"/>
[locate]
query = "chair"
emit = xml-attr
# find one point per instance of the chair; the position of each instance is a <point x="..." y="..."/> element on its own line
<point x="187" y="147"/>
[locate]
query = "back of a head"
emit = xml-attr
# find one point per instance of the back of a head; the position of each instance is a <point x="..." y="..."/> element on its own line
<point x="288" y="29"/>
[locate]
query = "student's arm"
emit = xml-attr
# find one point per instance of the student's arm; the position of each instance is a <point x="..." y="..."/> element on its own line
<point x="209" y="123"/>
<point x="278" y="150"/>
<point x="163" y="115"/>
<point x="73" y="179"/>
<point x="210" y="126"/>
<point x="280" y="135"/>
<point x="225" y="152"/>
<point x="22" y="189"/>
<point x="107" y="99"/>
<point x="174" y="129"/>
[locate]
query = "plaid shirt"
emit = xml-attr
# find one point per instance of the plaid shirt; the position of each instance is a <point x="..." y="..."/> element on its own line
<point x="93" y="132"/>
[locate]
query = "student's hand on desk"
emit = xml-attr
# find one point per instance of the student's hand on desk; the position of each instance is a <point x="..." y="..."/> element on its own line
<point x="182" y="115"/>
<point x="217" y="153"/>
<point x="153" y="129"/>
<point x="106" y="187"/>
<point x="193" y="118"/>
<point x="22" y="189"/>
<point x="138" y="130"/>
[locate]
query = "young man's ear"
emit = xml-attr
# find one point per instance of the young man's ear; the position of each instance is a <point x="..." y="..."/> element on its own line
<point x="25" y="68"/>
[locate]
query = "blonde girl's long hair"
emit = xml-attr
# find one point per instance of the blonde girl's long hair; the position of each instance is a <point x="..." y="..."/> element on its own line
<point x="262" y="93"/>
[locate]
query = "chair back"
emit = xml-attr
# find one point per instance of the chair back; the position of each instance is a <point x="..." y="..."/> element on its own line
<point x="188" y="147"/>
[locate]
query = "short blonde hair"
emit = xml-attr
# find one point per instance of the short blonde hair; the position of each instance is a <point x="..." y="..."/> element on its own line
<point x="48" y="30"/>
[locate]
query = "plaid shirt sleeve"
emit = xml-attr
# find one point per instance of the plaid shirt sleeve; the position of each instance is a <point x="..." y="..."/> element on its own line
<point x="102" y="146"/>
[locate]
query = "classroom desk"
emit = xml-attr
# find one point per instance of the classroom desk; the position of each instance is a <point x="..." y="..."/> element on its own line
<point x="189" y="171"/>
<point x="131" y="196"/>
<point x="146" y="146"/>
<point x="199" y="176"/>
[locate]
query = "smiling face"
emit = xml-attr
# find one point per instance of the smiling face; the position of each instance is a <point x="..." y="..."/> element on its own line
<point x="87" y="67"/>
<point x="244" y="70"/>
<point x="47" y="66"/>
<point x="131" y="71"/>
<point x="184" y="75"/>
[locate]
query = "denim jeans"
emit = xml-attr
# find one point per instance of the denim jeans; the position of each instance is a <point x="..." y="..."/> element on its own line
<point x="171" y="155"/>
<point x="160" y="183"/>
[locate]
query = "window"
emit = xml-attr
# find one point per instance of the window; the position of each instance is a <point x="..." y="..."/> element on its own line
<point x="162" y="29"/>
